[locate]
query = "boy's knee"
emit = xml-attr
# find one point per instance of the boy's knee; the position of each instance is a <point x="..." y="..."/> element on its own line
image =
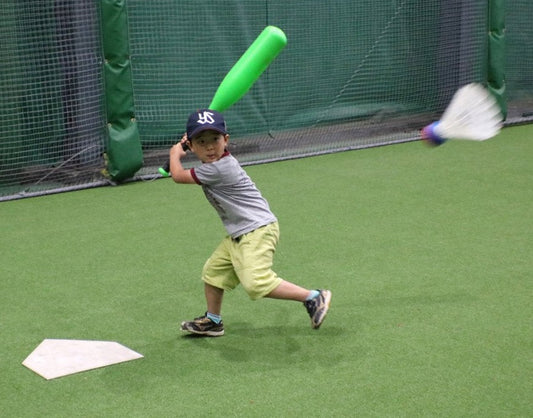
<point x="259" y="286"/>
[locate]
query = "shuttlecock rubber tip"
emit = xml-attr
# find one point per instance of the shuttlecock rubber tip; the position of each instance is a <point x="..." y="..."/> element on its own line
<point x="430" y="136"/>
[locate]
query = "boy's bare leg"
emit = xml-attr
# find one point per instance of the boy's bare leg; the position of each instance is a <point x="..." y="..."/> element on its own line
<point x="290" y="291"/>
<point x="207" y="325"/>
<point x="316" y="302"/>
<point x="213" y="297"/>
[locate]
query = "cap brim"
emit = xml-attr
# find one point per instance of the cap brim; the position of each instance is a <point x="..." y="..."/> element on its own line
<point x="201" y="129"/>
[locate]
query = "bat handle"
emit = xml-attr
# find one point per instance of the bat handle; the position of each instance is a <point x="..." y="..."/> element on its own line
<point x="165" y="169"/>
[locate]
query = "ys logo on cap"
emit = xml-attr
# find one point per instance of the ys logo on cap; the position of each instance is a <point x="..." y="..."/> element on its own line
<point x="205" y="117"/>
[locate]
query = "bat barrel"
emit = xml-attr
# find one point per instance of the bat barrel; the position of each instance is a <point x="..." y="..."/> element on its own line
<point x="249" y="67"/>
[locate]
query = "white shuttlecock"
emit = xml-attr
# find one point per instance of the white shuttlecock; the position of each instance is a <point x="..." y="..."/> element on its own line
<point x="472" y="114"/>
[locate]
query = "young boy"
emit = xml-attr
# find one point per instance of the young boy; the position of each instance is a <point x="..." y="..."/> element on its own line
<point x="245" y="256"/>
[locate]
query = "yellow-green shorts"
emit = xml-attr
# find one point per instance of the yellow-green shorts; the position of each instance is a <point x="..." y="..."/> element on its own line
<point x="247" y="261"/>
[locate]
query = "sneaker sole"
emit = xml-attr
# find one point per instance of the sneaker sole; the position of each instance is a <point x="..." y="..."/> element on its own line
<point x="206" y="333"/>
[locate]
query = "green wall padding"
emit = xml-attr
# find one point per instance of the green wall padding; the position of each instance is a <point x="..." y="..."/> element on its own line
<point x="124" y="151"/>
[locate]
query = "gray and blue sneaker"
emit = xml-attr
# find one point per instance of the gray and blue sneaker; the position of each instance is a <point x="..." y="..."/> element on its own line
<point x="317" y="308"/>
<point x="203" y="326"/>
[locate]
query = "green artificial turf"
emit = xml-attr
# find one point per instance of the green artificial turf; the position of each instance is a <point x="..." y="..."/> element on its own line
<point x="427" y="253"/>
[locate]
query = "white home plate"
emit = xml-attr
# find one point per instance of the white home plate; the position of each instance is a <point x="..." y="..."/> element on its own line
<point x="56" y="358"/>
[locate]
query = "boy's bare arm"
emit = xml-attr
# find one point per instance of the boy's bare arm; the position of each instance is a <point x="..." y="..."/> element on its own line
<point x="179" y="174"/>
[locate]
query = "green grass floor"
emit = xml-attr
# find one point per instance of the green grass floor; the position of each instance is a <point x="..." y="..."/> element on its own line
<point x="428" y="253"/>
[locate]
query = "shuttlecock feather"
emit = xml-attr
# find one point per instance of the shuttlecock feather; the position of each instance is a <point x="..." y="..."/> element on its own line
<point x="472" y="114"/>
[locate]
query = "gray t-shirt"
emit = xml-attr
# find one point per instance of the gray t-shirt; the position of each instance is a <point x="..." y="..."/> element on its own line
<point x="235" y="197"/>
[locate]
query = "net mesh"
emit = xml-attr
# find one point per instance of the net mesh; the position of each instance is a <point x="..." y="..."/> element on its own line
<point x="353" y="75"/>
<point x="519" y="61"/>
<point x="50" y="107"/>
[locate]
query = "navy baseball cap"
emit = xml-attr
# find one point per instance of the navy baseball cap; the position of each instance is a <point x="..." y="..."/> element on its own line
<point x="205" y="120"/>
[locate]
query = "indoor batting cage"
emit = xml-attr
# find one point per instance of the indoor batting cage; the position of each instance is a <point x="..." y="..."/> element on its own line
<point x="94" y="92"/>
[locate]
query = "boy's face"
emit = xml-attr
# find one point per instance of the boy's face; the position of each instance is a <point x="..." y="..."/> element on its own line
<point x="209" y="146"/>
